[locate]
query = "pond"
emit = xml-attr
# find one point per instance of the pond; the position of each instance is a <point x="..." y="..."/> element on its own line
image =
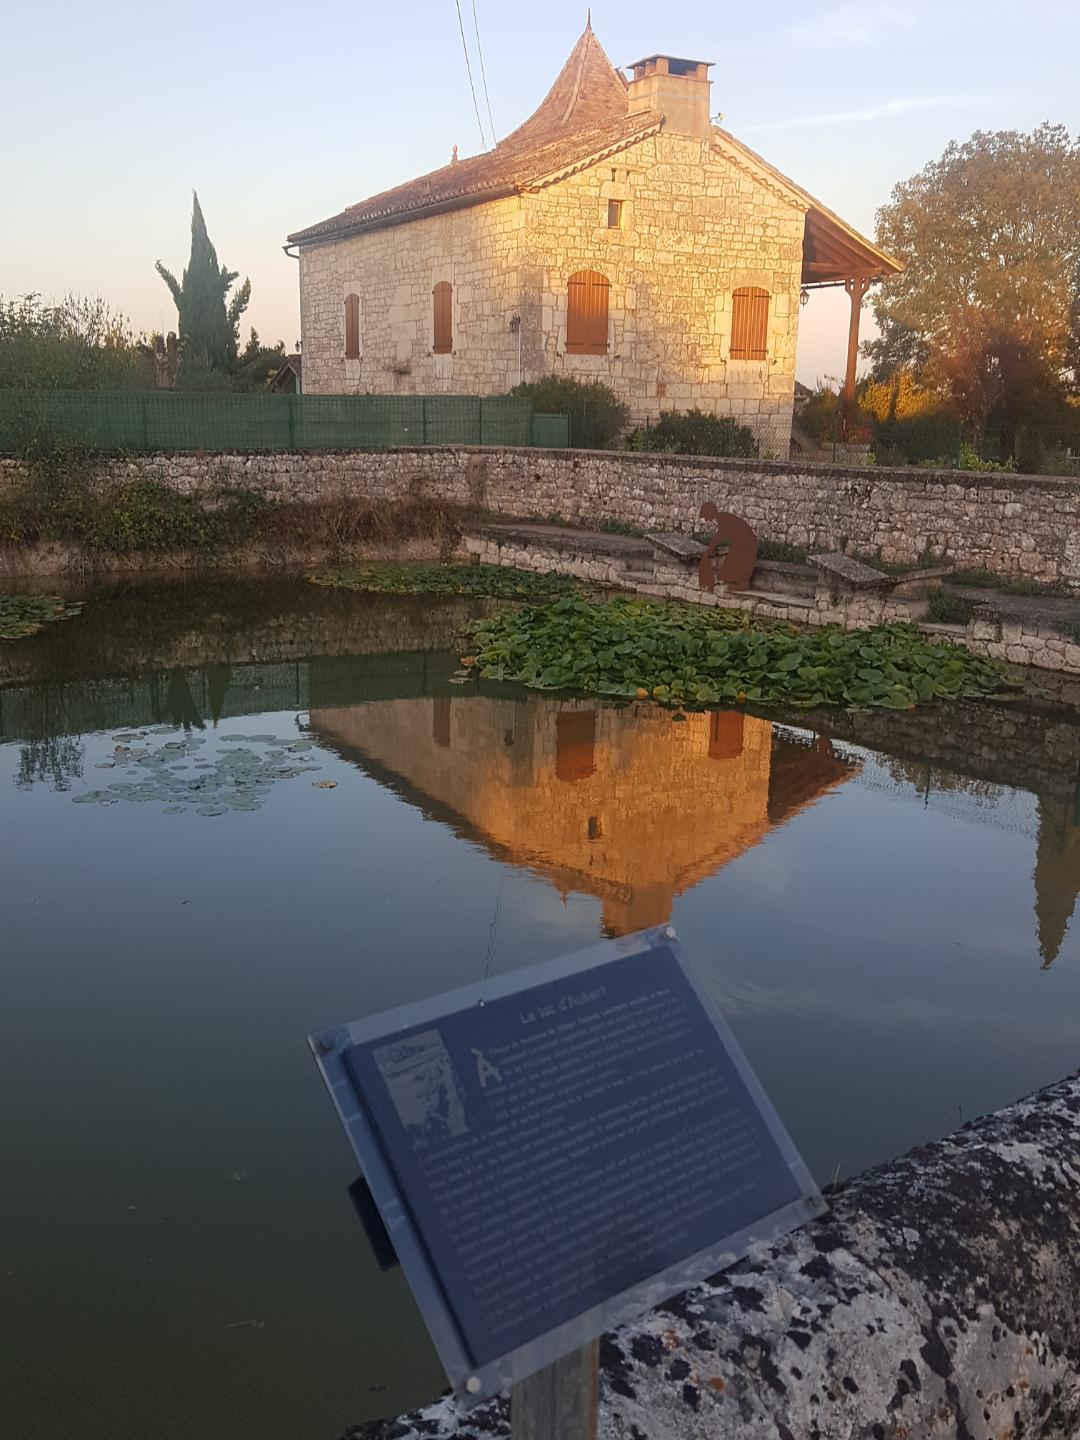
<point x="233" y="814"/>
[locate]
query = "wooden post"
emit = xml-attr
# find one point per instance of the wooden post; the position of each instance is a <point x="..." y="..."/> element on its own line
<point x="856" y="287"/>
<point x="560" y="1401"/>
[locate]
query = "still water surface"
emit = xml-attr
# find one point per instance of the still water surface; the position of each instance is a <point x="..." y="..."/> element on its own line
<point x="885" y="924"/>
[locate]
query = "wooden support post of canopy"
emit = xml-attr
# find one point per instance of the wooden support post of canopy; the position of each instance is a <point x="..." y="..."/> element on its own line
<point x="856" y="287"/>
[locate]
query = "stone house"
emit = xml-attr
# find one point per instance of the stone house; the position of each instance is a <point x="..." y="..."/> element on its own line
<point x="617" y="235"/>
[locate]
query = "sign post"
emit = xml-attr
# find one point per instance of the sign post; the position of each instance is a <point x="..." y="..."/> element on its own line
<point x="559" y="1402"/>
<point x="556" y="1151"/>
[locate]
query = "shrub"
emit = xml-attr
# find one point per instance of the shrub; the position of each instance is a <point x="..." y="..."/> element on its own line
<point x="694" y="432"/>
<point x="916" y="439"/>
<point x="944" y="608"/>
<point x="597" y="416"/>
<point x="822" y="416"/>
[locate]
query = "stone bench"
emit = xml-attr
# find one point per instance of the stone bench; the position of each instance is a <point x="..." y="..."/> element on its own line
<point x="851" y="573"/>
<point x="681" y="547"/>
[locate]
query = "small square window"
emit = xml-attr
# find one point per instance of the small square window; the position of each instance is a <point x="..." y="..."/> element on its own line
<point x="614" y="214"/>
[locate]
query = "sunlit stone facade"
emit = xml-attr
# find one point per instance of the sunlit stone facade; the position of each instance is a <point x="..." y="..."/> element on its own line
<point x="624" y="180"/>
<point x="695" y="227"/>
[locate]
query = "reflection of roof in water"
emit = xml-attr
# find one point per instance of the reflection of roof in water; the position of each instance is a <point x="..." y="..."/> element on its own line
<point x="626" y="804"/>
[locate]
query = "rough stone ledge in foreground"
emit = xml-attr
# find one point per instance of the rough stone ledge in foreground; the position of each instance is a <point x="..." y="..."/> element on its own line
<point x="941" y="1297"/>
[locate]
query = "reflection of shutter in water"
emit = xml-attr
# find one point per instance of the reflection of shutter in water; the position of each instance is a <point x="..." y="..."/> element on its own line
<point x="575" y="743"/>
<point x="440" y="720"/>
<point x="726" y="735"/>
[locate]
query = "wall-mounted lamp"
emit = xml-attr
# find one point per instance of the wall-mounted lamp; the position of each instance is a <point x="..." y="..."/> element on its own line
<point x="804" y="296"/>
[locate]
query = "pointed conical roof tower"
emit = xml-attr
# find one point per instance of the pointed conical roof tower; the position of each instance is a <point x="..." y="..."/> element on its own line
<point x="588" y="91"/>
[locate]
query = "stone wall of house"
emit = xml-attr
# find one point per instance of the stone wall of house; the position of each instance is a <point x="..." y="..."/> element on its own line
<point x="1011" y="524"/>
<point x="696" y="225"/>
<point x="394" y="272"/>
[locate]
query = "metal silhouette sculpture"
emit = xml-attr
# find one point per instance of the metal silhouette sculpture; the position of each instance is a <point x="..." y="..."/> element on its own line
<point x="738" y="564"/>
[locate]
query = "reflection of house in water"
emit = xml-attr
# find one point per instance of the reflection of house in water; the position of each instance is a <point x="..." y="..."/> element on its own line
<point x="625" y="804"/>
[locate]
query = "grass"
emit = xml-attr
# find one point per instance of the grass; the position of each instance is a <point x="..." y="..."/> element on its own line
<point x="981" y="578"/>
<point x="780" y="550"/>
<point x="620" y="527"/>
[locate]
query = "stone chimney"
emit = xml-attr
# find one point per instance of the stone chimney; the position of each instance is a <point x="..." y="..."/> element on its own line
<point x="678" y="89"/>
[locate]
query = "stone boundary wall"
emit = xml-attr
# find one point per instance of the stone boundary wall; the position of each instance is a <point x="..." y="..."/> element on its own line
<point x="1017" y="639"/>
<point x="937" y="1301"/>
<point x="1009" y="524"/>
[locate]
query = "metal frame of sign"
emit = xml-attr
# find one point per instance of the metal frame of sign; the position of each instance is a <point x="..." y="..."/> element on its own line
<point x="478" y="1383"/>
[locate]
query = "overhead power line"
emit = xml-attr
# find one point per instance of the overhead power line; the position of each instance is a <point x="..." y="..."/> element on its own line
<point x="483" y="74"/>
<point x="468" y="67"/>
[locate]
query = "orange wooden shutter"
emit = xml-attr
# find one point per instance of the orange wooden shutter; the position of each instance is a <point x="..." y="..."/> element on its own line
<point x="749" y="323"/>
<point x="443" y="295"/>
<point x="352" y="327"/>
<point x="587" y="314"/>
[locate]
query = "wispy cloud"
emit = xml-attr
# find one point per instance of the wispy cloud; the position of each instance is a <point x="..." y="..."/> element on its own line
<point x="852" y="27"/>
<point x="888" y="109"/>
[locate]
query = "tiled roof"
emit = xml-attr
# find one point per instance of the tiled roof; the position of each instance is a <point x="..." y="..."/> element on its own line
<point x="583" y="116"/>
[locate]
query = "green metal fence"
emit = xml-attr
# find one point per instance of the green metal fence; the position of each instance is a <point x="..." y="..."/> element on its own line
<point x="167" y="421"/>
<point x="551" y="431"/>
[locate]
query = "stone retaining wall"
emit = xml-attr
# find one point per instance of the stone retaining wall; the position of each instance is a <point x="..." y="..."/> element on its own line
<point x="1019" y="639"/>
<point x="1011" y="524"/>
<point x="937" y="1301"/>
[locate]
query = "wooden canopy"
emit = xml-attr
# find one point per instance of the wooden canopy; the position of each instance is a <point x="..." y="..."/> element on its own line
<point x="833" y="253"/>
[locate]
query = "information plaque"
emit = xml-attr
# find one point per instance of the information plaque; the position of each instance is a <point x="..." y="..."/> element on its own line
<point x="555" y="1151"/>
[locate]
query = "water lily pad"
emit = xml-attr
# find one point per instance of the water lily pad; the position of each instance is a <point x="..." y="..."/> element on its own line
<point x="174" y="810"/>
<point x="211" y="810"/>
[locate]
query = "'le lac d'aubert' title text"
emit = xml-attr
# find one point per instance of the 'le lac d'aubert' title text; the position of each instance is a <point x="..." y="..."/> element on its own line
<point x="563" y="1006"/>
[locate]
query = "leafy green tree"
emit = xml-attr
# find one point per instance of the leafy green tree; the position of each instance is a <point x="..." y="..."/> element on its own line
<point x="209" y="321"/>
<point x="78" y="343"/>
<point x="990" y="240"/>
<point x="257" y="363"/>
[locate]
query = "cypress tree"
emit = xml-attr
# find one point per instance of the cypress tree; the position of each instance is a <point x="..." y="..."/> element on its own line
<point x="209" y="323"/>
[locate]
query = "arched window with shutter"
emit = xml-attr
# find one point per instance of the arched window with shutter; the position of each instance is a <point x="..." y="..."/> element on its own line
<point x="749" y="323"/>
<point x="587" y="314"/>
<point x="443" y="301"/>
<point x="352" y="327"/>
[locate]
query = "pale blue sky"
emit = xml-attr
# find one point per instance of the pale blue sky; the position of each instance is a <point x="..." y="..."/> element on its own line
<point x="283" y="113"/>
